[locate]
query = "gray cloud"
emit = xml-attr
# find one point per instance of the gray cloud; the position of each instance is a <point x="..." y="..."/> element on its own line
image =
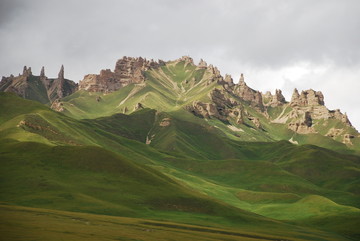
<point x="254" y="37"/>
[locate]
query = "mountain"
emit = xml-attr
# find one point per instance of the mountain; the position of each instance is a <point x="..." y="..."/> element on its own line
<point x="179" y="149"/>
<point x="40" y="88"/>
<point x="240" y="112"/>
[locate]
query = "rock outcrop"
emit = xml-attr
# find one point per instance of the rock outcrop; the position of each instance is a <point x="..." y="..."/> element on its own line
<point x="205" y="110"/>
<point x="202" y="64"/>
<point x="60" y="87"/>
<point x="347" y="139"/>
<point x="228" y="80"/>
<point x="61" y="73"/>
<point x="127" y="70"/>
<point x="302" y="125"/>
<point x="273" y="100"/>
<point x="309" y="105"/>
<point x="58" y="106"/>
<point x="307" y="98"/>
<point x="47" y="89"/>
<point x="221" y="107"/>
<point x="253" y="97"/>
<point x="255" y="121"/>
<point x="215" y="74"/>
<point x="42" y="74"/>
<point x="27" y="72"/>
<point x="186" y="59"/>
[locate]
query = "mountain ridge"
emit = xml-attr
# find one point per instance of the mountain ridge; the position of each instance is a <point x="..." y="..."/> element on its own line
<point x="51" y="160"/>
<point x="202" y="91"/>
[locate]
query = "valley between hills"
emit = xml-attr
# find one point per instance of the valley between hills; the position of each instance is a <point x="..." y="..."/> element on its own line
<point x="172" y="150"/>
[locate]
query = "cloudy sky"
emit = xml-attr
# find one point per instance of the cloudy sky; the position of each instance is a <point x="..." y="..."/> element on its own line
<point x="277" y="44"/>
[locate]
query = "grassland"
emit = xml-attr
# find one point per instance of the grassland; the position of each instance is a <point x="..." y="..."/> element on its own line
<point x="45" y="224"/>
<point x="168" y="170"/>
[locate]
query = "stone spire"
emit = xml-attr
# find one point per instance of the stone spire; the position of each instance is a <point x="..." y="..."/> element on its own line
<point x="242" y="81"/>
<point x="24" y="70"/>
<point x="202" y="64"/>
<point x="295" y="96"/>
<point x="228" y="79"/>
<point x="27" y="71"/>
<point x="279" y="96"/>
<point x="42" y="73"/>
<point x="61" y="73"/>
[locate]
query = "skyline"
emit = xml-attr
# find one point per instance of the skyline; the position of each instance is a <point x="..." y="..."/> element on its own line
<point x="276" y="44"/>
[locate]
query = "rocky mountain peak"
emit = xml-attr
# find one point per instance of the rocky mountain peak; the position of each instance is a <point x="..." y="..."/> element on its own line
<point x="248" y="94"/>
<point x="186" y="59"/>
<point x="47" y="89"/>
<point x="307" y="98"/>
<point x="27" y="71"/>
<point x="274" y="100"/>
<point x="202" y="64"/>
<point x="215" y="73"/>
<point x="127" y="70"/>
<point x="228" y="80"/>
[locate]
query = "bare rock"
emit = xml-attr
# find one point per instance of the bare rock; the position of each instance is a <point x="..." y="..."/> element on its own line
<point x="138" y="106"/>
<point x="205" y="110"/>
<point x="61" y="73"/>
<point x="347" y="139"/>
<point x="57" y="105"/>
<point x="228" y="80"/>
<point x="274" y="100"/>
<point x="27" y="72"/>
<point x="23" y="85"/>
<point x="60" y="87"/>
<point x="334" y="132"/>
<point x="202" y="64"/>
<point x="165" y="122"/>
<point x="215" y="74"/>
<point x="336" y="114"/>
<point x="307" y="98"/>
<point x="42" y="73"/>
<point x="255" y="121"/>
<point x="186" y="59"/>
<point x="127" y="70"/>
<point x="278" y="98"/>
<point x="303" y="125"/>
<point x="249" y="95"/>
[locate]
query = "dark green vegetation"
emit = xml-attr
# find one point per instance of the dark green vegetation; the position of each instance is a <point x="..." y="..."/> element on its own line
<point x="167" y="170"/>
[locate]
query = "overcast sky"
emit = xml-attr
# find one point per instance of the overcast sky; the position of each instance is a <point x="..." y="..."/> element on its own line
<point x="277" y="44"/>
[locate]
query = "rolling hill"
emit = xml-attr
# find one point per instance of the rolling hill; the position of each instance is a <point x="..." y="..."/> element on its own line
<point x="178" y="143"/>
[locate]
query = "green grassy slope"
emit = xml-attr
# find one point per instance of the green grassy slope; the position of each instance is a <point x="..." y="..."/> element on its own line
<point x="274" y="179"/>
<point x="65" y="225"/>
<point x="93" y="180"/>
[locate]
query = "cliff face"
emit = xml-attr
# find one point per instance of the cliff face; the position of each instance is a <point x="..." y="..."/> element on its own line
<point x="127" y="70"/>
<point x="39" y="88"/>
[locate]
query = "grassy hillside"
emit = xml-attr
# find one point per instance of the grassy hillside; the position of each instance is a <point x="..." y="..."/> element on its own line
<point x="56" y="224"/>
<point x="189" y="172"/>
<point x="93" y="180"/>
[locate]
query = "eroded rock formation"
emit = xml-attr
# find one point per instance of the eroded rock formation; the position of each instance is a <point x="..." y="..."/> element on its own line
<point x="307" y="98"/>
<point x="302" y="125"/>
<point x="48" y="89"/>
<point x="253" y="97"/>
<point x="202" y="64"/>
<point x="127" y="70"/>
